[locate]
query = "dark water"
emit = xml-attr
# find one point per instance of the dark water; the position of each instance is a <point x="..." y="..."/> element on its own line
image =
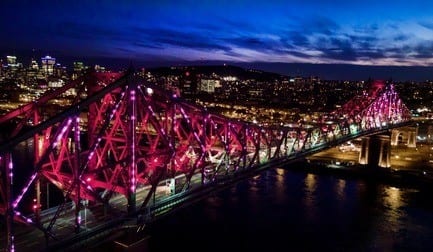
<point x="286" y="210"/>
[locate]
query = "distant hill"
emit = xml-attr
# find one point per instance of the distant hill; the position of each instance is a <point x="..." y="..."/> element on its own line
<point x="346" y="71"/>
<point x="323" y="71"/>
<point x="221" y="70"/>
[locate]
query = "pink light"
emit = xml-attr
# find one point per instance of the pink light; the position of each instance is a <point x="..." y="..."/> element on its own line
<point x="133" y="125"/>
<point x="32" y="178"/>
<point x="13" y="245"/>
<point x="28" y="220"/>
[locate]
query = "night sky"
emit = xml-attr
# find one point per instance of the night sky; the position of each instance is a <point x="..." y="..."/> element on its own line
<point x="385" y="33"/>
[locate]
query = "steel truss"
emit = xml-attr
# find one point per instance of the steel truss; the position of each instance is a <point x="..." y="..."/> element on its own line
<point x="128" y="135"/>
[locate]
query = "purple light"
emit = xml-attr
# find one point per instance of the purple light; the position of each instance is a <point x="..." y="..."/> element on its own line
<point x="28" y="220"/>
<point x="13" y="245"/>
<point x="17" y="201"/>
<point x="133" y="125"/>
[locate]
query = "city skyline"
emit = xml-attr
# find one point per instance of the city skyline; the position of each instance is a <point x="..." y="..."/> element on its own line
<point x="367" y="33"/>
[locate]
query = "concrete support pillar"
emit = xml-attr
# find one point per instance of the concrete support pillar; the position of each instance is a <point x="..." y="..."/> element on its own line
<point x="363" y="154"/>
<point x="430" y="134"/>
<point x="376" y="151"/>
<point x="411" y="137"/>
<point x="384" y="144"/>
<point x="394" y="137"/>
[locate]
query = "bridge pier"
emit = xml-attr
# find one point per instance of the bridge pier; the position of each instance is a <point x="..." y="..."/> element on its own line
<point x="363" y="154"/>
<point x="411" y="138"/>
<point x="408" y="133"/>
<point x="376" y="151"/>
<point x="395" y="133"/>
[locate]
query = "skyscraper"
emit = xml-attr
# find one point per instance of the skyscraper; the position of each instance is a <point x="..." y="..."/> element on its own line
<point x="48" y="63"/>
<point x="11" y="60"/>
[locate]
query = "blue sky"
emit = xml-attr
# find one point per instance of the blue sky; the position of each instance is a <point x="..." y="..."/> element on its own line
<point x="397" y="33"/>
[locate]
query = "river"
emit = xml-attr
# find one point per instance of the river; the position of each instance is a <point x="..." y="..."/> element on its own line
<point x="289" y="210"/>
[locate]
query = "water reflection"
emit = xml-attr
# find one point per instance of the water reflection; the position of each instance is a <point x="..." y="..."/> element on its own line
<point x="392" y="197"/>
<point x="310" y="196"/>
<point x="340" y="188"/>
<point x="390" y="225"/>
<point x="280" y="192"/>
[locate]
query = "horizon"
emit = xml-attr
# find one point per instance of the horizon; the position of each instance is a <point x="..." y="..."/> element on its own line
<point x="351" y="72"/>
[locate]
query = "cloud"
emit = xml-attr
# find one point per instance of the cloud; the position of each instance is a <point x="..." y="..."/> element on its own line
<point x="423" y="50"/>
<point x="312" y="25"/>
<point x="299" y="33"/>
<point x="295" y="38"/>
<point x="426" y="24"/>
<point x="318" y="39"/>
<point x="163" y="37"/>
<point x="80" y="31"/>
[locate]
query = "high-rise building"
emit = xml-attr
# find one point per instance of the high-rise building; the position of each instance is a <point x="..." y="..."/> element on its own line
<point x="11" y="60"/>
<point x="12" y="63"/>
<point x="209" y="85"/>
<point x="78" y="69"/>
<point x="34" y="65"/>
<point x="48" y="63"/>
<point x="188" y="85"/>
<point x="78" y="66"/>
<point x="33" y="69"/>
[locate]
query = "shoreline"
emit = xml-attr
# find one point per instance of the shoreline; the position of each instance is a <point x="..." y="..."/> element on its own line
<point x="418" y="178"/>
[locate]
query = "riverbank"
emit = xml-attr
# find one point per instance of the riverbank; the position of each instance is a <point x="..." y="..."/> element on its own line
<point x="413" y="178"/>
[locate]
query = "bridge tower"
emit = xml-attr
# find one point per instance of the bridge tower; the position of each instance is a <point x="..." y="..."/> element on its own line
<point x="376" y="151"/>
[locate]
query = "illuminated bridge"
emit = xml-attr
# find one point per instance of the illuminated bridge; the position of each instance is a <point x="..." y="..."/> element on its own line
<point x="124" y="151"/>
